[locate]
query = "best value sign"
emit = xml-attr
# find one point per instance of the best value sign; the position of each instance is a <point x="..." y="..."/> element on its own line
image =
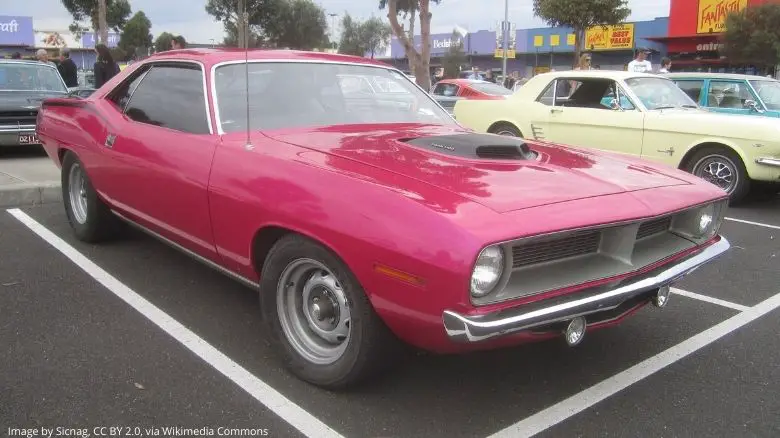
<point x="16" y="31"/>
<point x="712" y="14"/>
<point x="617" y="37"/>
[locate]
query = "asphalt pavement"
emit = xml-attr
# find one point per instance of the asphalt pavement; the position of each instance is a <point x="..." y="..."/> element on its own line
<point x="78" y="355"/>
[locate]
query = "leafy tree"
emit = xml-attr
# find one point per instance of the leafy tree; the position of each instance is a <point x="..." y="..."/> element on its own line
<point x="455" y="57"/>
<point x="419" y="62"/>
<point x="359" y="38"/>
<point x="163" y="42"/>
<point x="231" y="36"/>
<point x="752" y="36"/>
<point x="580" y="15"/>
<point x="117" y="13"/>
<point x="136" y="34"/>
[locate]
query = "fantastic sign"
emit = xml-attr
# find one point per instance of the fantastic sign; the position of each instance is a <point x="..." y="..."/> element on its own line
<point x="618" y="37"/>
<point x="713" y="13"/>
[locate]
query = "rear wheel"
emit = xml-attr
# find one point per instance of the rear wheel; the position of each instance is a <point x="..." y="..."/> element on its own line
<point x="319" y="317"/>
<point x="724" y="168"/>
<point x="505" y="129"/>
<point x="90" y="218"/>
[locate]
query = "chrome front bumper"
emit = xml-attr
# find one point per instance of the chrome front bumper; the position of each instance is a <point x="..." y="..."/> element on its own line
<point x="464" y="328"/>
<point x="17" y="129"/>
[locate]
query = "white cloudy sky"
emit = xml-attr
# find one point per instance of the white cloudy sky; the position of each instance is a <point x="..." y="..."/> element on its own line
<point x="189" y="18"/>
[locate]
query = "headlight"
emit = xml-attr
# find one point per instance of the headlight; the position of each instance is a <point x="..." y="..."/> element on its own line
<point x="701" y="224"/>
<point x="487" y="271"/>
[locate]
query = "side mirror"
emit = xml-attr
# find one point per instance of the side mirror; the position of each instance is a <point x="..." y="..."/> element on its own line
<point x="753" y="105"/>
<point x="615" y="105"/>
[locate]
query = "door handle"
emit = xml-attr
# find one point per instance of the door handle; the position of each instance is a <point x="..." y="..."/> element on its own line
<point x="556" y="110"/>
<point x="110" y="139"/>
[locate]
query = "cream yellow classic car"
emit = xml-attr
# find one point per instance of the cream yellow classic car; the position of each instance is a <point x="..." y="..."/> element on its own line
<point x="638" y="114"/>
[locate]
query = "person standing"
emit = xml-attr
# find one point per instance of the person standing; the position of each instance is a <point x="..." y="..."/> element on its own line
<point x="68" y="69"/>
<point x="640" y="64"/>
<point x="43" y="56"/>
<point x="178" y="42"/>
<point x="666" y="64"/>
<point x="105" y="67"/>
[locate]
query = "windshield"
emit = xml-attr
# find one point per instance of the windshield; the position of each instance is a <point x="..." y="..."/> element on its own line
<point x="659" y="93"/>
<point x="30" y="77"/>
<point x="491" y="88"/>
<point x="296" y="95"/>
<point x="769" y="93"/>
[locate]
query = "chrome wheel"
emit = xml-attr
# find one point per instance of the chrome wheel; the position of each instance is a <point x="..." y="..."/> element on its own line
<point x="77" y="191"/>
<point x="313" y="311"/>
<point x="506" y="132"/>
<point x="718" y="170"/>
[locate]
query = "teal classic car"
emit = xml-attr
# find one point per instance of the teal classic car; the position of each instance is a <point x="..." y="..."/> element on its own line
<point x="731" y="93"/>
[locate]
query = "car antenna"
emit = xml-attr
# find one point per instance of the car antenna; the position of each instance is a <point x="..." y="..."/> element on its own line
<point x="245" y="17"/>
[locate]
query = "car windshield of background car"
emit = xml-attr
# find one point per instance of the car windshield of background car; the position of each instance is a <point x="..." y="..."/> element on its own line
<point x="769" y="92"/>
<point x="659" y="93"/>
<point x="30" y="77"/>
<point x="491" y="89"/>
<point x="285" y="95"/>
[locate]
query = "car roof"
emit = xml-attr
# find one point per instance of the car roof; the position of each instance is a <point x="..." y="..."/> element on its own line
<point x="25" y="61"/>
<point x="708" y="75"/>
<point x="461" y="81"/>
<point x="218" y="55"/>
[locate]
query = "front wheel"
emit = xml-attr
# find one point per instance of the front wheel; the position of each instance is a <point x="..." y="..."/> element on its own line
<point x="319" y="317"/>
<point x="506" y="129"/>
<point x="724" y="168"/>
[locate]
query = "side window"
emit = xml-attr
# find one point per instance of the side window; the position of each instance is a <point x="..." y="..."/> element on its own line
<point x="726" y="94"/>
<point x="549" y="94"/>
<point x="692" y="89"/>
<point x="171" y="96"/>
<point x="121" y="94"/>
<point x="445" y="90"/>
<point x="615" y="93"/>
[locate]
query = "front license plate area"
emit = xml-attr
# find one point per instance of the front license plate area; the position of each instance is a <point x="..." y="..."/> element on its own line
<point x="28" y="139"/>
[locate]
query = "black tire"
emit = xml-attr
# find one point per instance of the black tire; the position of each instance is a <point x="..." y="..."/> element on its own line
<point x="722" y="156"/>
<point x="505" y="129"/>
<point x="99" y="223"/>
<point x="371" y="347"/>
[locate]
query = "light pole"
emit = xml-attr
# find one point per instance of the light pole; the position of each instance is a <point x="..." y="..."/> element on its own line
<point x="333" y="28"/>
<point x="505" y="27"/>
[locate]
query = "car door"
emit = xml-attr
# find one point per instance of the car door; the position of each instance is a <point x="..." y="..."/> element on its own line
<point x="598" y="114"/>
<point x="730" y="96"/>
<point x="160" y="149"/>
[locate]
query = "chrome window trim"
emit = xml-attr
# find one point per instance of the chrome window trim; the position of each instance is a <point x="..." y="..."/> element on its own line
<point x="153" y="63"/>
<point x="215" y="99"/>
<point x="757" y="96"/>
<point x="130" y="97"/>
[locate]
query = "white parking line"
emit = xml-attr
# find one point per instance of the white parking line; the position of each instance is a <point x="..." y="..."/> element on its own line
<point x="579" y="402"/>
<point x="707" y="299"/>
<point x="758" y="224"/>
<point x="272" y="399"/>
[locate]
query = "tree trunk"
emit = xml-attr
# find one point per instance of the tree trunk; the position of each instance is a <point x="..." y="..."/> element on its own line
<point x="241" y="25"/>
<point x="102" y="23"/>
<point x="579" y="44"/>
<point x="415" y="59"/>
<point x="412" y="19"/>
<point x="424" y="78"/>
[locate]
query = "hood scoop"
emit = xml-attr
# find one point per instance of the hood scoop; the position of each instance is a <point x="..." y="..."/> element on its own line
<point x="475" y="146"/>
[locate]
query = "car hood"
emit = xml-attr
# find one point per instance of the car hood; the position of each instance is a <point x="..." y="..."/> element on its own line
<point x="24" y="100"/>
<point x="703" y="122"/>
<point x="476" y="167"/>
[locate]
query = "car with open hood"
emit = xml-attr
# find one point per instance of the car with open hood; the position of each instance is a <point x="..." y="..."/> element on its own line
<point x="23" y="86"/>
<point x="636" y="114"/>
<point x="364" y="225"/>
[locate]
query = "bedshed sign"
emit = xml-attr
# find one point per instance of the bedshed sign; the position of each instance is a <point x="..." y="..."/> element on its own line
<point x="712" y="14"/>
<point x="616" y="37"/>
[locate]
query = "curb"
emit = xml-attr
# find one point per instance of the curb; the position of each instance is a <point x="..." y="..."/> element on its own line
<point x="25" y="195"/>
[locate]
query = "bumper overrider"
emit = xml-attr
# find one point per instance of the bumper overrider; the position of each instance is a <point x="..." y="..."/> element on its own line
<point x="572" y="307"/>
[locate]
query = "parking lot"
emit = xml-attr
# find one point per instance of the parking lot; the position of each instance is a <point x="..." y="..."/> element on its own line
<point x="135" y="334"/>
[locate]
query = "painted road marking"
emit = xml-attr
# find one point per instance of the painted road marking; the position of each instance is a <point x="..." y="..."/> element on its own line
<point x="707" y="299"/>
<point x="577" y="403"/>
<point x="758" y="224"/>
<point x="262" y="392"/>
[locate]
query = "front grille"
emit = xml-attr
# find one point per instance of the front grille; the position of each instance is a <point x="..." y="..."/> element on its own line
<point x="578" y="244"/>
<point x="651" y="228"/>
<point x="26" y="117"/>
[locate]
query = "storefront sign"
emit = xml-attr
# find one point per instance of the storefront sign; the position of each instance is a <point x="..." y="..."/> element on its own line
<point x="446" y="43"/>
<point x="16" y="31"/>
<point x="89" y="40"/>
<point x="617" y="37"/>
<point x="56" y="40"/>
<point x="713" y="13"/>
<point x="709" y="47"/>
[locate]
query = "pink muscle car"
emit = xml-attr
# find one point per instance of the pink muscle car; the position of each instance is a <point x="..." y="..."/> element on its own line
<point x="372" y="221"/>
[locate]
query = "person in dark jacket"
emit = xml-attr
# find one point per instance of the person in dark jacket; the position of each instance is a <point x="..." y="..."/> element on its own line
<point x="105" y="67"/>
<point x="68" y="69"/>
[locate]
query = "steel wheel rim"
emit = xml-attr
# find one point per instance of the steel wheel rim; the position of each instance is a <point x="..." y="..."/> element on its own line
<point x="77" y="191"/>
<point x="506" y="132"/>
<point x="719" y="171"/>
<point x="314" y="311"/>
